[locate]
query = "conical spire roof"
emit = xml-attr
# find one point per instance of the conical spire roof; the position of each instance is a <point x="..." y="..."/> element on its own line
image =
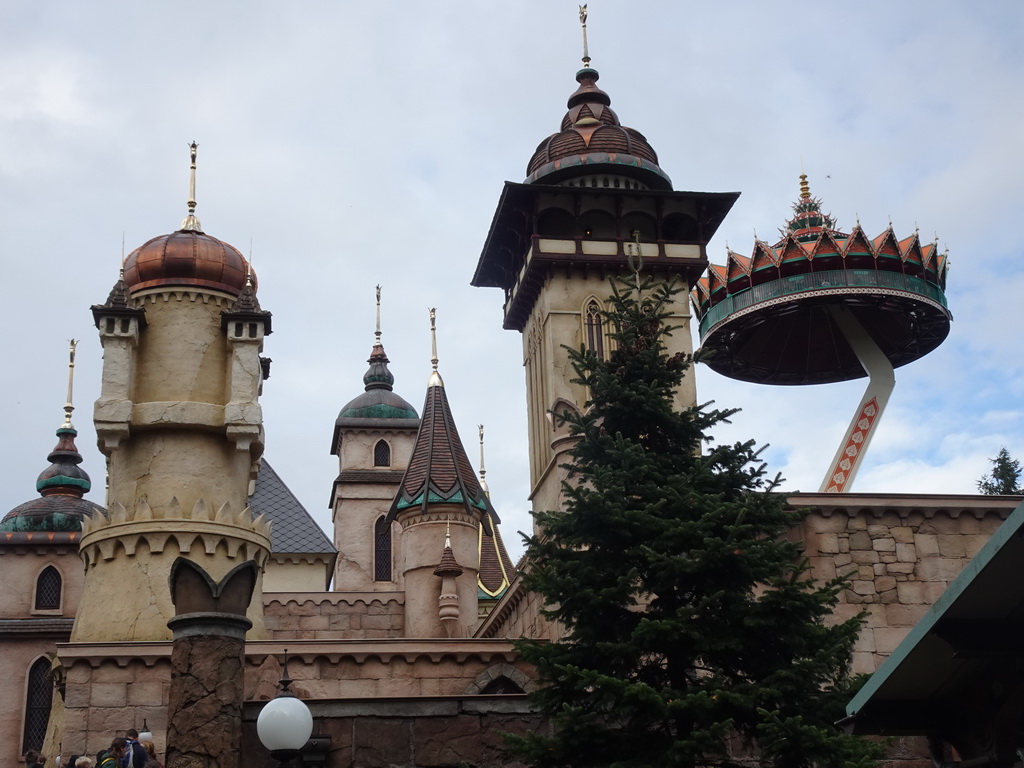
<point x="439" y="471"/>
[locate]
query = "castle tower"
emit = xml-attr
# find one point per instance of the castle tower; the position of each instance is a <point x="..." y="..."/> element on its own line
<point x="373" y="440"/>
<point x="440" y="495"/>
<point x="42" y="575"/>
<point x="179" y="420"/>
<point x="594" y="198"/>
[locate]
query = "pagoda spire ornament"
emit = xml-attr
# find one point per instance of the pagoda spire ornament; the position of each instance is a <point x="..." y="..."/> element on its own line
<point x="191" y="223"/>
<point x="69" y="406"/>
<point x="583" y="23"/>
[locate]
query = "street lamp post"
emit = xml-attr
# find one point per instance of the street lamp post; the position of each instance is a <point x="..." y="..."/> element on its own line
<point x="285" y="722"/>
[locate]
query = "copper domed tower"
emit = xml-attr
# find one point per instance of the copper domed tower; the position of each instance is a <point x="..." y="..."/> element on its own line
<point x="179" y="419"/>
<point x="594" y="193"/>
<point x="822" y="306"/>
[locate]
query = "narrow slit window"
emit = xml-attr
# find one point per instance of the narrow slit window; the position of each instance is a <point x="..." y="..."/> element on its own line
<point x="594" y="324"/>
<point x="382" y="550"/>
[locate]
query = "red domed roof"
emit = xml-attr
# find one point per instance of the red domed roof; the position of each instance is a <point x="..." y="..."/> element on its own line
<point x="592" y="140"/>
<point x="187" y="257"/>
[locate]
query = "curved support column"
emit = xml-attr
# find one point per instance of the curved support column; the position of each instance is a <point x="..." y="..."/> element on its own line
<point x="881" y="381"/>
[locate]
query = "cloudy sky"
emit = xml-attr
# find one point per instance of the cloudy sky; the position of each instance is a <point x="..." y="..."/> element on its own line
<point x="350" y="144"/>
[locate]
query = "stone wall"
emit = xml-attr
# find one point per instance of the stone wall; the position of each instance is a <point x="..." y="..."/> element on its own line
<point x="899" y="552"/>
<point x="333" y="615"/>
<point x="408" y="734"/>
<point x="386" y="668"/>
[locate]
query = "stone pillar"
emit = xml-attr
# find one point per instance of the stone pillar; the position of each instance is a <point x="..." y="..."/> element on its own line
<point x="204" y="711"/>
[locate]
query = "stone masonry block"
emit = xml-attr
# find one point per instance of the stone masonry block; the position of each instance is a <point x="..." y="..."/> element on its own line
<point x="910" y="592"/>
<point x="927" y="544"/>
<point x="828" y="543"/>
<point x="901" y="567"/>
<point x="885" y="583"/>
<point x="904" y="615"/>
<point x="863" y="587"/>
<point x="902" y="534"/>
<point x="939" y="569"/>
<point x="884" y="544"/>
<point x="76" y="695"/>
<point x="314" y="622"/>
<point x="146" y="694"/>
<point x="952" y="545"/>
<point x="860" y="540"/>
<point x="889" y="597"/>
<point x="109" y="695"/>
<point x="864" y="556"/>
<point x="906" y="553"/>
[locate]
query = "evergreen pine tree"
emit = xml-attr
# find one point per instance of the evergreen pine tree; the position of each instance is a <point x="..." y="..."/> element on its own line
<point x="1004" y="478"/>
<point x="694" y="632"/>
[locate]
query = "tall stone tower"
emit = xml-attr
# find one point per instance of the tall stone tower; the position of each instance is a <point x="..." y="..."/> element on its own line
<point x="179" y="421"/>
<point x="373" y="440"/>
<point x="594" y="201"/>
<point x="441" y="508"/>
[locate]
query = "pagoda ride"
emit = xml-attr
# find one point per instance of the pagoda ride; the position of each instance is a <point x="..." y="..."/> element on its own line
<point x="822" y="306"/>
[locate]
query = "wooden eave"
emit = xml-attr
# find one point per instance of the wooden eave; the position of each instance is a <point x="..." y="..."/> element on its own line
<point x="511" y="237"/>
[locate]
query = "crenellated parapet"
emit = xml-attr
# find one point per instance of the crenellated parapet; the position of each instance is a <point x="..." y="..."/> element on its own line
<point x="201" y="529"/>
<point x="128" y="555"/>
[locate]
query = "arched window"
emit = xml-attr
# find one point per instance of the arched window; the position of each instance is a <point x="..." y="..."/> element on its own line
<point x="502" y="685"/>
<point x="593" y="325"/>
<point x="598" y="225"/>
<point x="48" y="588"/>
<point x="382" y="550"/>
<point x="38" y="696"/>
<point x="382" y="454"/>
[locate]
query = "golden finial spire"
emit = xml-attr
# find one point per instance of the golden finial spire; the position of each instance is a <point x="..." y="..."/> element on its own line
<point x="483" y="470"/>
<point x="583" y="23"/>
<point x="435" y="377"/>
<point x="190" y="222"/>
<point x="68" y="407"/>
<point x="805" y="188"/>
<point x="448" y="533"/>
<point x="376" y="333"/>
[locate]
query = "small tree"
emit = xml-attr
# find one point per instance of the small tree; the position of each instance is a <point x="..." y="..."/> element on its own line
<point x="690" y="618"/>
<point x="1004" y="478"/>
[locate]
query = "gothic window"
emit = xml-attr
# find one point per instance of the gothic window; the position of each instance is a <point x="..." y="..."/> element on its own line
<point x="382" y="454"/>
<point x="37" y="705"/>
<point x="382" y="550"/>
<point x="48" y="588"/>
<point x="593" y="324"/>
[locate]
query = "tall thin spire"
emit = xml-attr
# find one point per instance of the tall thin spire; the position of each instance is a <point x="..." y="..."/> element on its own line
<point x="190" y="222"/>
<point x="376" y="333"/>
<point x="435" y="377"/>
<point x="68" y="406"/>
<point x="483" y="470"/>
<point x="583" y="23"/>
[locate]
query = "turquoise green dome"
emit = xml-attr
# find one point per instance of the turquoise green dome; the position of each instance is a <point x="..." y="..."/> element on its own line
<point x="60" y="506"/>
<point x="379" y="400"/>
